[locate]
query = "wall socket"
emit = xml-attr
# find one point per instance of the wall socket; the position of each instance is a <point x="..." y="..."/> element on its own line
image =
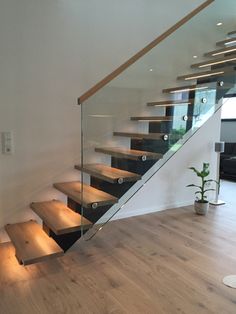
<point x="7" y="143"/>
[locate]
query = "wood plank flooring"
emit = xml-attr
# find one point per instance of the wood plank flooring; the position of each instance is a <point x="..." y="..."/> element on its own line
<point x="162" y="263"/>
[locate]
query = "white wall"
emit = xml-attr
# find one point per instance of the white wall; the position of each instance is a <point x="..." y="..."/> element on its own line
<point x="228" y="131"/>
<point x="51" y="52"/>
<point x="167" y="188"/>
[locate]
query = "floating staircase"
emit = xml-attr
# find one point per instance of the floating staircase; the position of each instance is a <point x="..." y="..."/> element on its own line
<point x="87" y="203"/>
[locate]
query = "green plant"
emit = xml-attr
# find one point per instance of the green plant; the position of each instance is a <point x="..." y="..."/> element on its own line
<point x="204" y="183"/>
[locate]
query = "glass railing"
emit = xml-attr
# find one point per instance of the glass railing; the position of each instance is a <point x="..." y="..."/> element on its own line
<point x="134" y="124"/>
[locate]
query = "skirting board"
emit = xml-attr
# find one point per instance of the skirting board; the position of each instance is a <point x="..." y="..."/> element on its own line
<point x="144" y="211"/>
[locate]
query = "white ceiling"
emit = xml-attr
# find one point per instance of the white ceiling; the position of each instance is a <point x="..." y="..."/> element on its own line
<point x="174" y="55"/>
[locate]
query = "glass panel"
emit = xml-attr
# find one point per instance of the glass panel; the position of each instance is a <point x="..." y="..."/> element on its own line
<point x="137" y="122"/>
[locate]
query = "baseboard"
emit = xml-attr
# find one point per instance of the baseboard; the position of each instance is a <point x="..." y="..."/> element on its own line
<point x="144" y="211"/>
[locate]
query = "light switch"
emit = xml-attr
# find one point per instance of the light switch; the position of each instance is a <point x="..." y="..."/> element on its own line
<point x="7" y="143"/>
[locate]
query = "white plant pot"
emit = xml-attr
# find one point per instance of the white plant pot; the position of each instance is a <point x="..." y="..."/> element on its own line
<point x="201" y="208"/>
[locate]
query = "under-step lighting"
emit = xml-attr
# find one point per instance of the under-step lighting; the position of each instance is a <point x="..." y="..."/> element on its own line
<point x="100" y="115"/>
<point x="216" y="62"/>
<point x="219" y="24"/>
<point x="156" y="120"/>
<point x="203" y="75"/>
<point x="223" y="52"/>
<point x="233" y="41"/>
<point x="150" y="70"/>
<point x="175" y="104"/>
<point x="194" y="57"/>
<point x="188" y="89"/>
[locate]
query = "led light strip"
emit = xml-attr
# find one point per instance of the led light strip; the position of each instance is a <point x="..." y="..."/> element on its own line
<point x="230" y="42"/>
<point x="155" y="120"/>
<point x="216" y="62"/>
<point x="175" y="104"/>
<point x="100" y="115"/>
<point x="223" y="52"/>
<point x="188" y="89"/>
<point x="203" y="75"/>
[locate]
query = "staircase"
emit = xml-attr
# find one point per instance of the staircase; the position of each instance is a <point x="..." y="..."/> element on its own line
<point x="64" y="224"/>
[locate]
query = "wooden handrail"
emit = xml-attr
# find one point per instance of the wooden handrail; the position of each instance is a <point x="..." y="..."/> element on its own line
<point x="141" y="53"/>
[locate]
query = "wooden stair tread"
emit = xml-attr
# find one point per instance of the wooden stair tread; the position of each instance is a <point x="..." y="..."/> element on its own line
<point x="167" y="103"/>
<point x="32" y="244"/>
<point x="158" y="119"/>
<point x="220" y="51"/>
<point x="181" y="89"/>
<point x="109" y="174"/>
<point x="152" y="118"/>
<point x="129" y="153"/>
<point x="229" y="41"/>
<point x="214" y="61"/>
<point x="91" y="197"/>
<point x="152" y="136"/>
<point x="204" y="74"/>
<point x="59" y="218"/>
<point x="233" y="33"/>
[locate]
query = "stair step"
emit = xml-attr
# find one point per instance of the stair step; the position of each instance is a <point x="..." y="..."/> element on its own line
<point x="169" y="103"/>
<point x="109" y="174"/>
<point x="181" y="89"/>
<point x="59" y="218"/>
<point x="219" y="52"/>
<point x="214" y="62"/>
<point x="233" y="34"/>
<point x="129" y="153"/>
<point x="158" y="119"/>
<point x="226" y="42"/>
<point x="91" y="198"/>
<point x="32" y="244"/>
<point x="149" y="136"/>
<point x="152" y="118"/>
<point x="198" y="75"/>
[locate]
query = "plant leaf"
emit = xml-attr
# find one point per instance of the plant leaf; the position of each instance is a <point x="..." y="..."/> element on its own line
<point x="210" y="180"/>
<point x="195" y="170"/>
<point x="209" y="190"/>
<point x="193" y="185"/>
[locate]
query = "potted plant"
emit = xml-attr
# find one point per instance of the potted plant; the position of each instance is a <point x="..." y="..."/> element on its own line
<point x="201" y="203"/>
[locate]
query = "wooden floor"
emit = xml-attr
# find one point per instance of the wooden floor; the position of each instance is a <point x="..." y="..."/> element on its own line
<point x="168" y="262"/>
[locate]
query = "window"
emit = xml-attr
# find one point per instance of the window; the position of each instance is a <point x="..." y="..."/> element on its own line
<point x="229" y="109"/>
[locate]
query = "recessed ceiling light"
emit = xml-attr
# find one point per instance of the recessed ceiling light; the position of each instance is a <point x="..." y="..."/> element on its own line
<point x="219" y="24"/>
<point x="195" y="57"/>
<point x="150" y="70"/>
